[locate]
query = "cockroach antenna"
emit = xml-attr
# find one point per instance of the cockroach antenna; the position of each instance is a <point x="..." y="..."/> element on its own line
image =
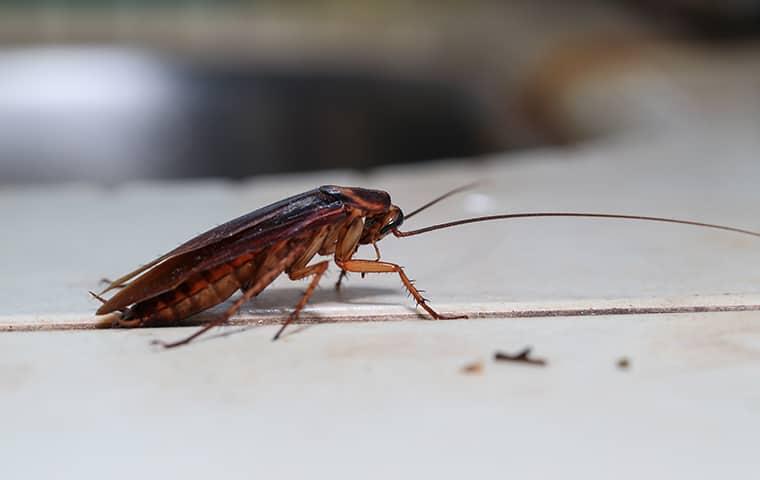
<point x="510" y="216"/>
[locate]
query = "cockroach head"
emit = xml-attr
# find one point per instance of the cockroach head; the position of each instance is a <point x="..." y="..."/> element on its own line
<point x="380" y="215"/>
<point x="380" y="225"/>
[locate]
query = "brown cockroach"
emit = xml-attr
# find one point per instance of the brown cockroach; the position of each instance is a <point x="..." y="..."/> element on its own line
<point x="249" y="252"/>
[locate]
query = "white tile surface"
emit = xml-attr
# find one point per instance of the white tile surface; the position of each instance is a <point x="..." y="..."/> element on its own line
<point x="388" y="399"/>
<point x="58" y="242"/>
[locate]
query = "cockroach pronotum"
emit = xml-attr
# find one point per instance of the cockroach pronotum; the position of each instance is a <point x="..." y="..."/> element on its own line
<point x="249" y="252"/>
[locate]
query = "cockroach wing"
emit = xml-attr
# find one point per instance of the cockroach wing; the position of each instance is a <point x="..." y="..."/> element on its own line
<point x="289" y="206"/>
<point x="252" y="232"/>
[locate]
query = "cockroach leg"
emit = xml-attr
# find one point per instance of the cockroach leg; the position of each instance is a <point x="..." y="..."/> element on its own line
<point x="117" y="320"/>
<point x="97" y="297"/>
<point x="317" y="270"/>
<point x="109" y="320"/>
<point x="111" y="284"/>
<point x="343" y="274"/>
<point x="257" y="287"/>
<point x="121" y="320"/>
<point x="372" y="266"/>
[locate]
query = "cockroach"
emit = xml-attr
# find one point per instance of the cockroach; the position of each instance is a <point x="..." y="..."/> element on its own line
<point x="250" y="252"/>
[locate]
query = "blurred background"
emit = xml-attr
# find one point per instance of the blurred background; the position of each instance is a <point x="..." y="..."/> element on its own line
<point x="109" y="91"/>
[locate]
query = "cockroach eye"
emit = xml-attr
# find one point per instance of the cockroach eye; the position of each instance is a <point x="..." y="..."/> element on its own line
<point x="395" y="223"/>
<point x="399" y="219"/>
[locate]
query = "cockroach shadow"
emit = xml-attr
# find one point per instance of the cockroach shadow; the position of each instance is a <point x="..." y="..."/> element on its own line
<point x="272" y="305"/>
<point x="270" y="309"/>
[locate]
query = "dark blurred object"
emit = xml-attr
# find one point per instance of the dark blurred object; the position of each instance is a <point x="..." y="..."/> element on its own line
<point x="239" y="88"/>
<point x="717" y="19"/>
<point x="110" y="114"/>
<point x="265" y="120"/>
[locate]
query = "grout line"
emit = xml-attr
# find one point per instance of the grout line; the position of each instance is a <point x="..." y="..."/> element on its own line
<point x="317" y="318"/>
